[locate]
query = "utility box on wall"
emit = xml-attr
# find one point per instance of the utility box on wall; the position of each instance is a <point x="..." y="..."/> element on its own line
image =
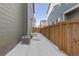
<point x="25" y="39"/>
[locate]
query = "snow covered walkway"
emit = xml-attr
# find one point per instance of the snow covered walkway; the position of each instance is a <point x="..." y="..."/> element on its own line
<point x="39" y="46"/>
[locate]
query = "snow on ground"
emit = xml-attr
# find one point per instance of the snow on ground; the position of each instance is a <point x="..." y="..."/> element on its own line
<point x="39" y="46"/>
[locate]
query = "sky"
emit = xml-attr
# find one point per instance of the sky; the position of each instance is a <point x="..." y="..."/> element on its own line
<point x="40" y="12"/>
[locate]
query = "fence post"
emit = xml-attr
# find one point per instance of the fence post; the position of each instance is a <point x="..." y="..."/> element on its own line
<point x="49" y="32"/>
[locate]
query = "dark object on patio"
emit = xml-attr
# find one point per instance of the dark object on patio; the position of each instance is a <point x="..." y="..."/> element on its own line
<point x="25" y="39"/>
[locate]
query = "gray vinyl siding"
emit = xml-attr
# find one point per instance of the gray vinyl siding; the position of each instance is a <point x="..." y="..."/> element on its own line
<point x="59" y="10"/>
<point x="25" y="19"/>
<point x="12" y="18"/>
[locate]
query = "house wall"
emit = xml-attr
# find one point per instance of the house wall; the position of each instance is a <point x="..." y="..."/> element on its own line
<point x="59" y="9"/>
<point x="44" y="23"/>
<point x="73" y="14"/>
<point x="25" y="19"/>
<point x="30" y="18"/>
<point x="50" y="8"/>
<point x="12" y="18"/>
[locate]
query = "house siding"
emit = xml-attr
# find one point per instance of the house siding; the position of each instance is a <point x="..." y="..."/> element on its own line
<point x="72" y="15"/>
<point x="12" y="18"/>
<point x="30" y="18"/>
<point x="59" y="10"/>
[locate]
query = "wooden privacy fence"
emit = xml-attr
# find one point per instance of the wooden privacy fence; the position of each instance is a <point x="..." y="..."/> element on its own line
<point x="36" y="29"/>
<point x="65" y="35"/>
